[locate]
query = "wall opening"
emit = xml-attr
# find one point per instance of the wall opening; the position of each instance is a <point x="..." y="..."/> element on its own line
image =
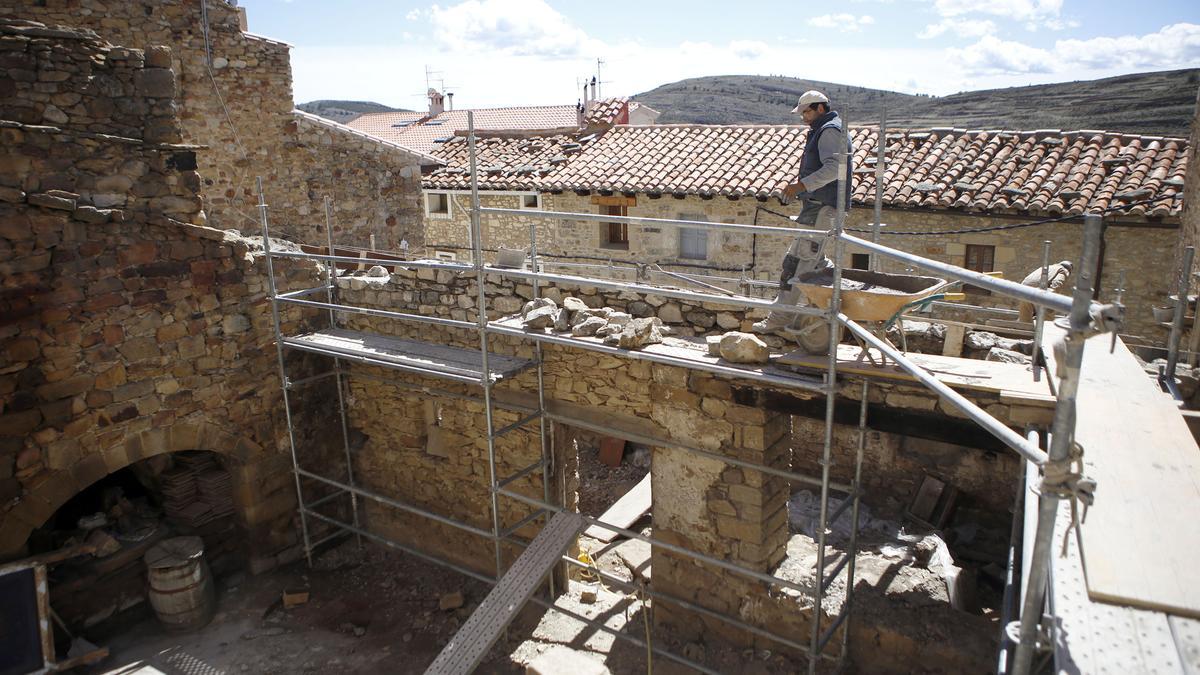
<point x="126" y="513"/>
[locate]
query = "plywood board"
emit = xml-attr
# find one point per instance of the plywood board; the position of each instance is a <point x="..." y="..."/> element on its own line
<point x="408" y="353"/>
<point x="1141" y="537"/>
<point x="631" y="506"/>
<point x="1011" y="380"/>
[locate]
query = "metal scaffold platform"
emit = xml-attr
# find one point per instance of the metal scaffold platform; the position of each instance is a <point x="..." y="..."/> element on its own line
<point x="485" y="369"/>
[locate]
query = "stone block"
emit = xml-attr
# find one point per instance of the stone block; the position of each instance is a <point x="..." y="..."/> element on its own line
<point x="51" y="202"/>
<point x="71" y="386"/>
<point x="19" y="423"/>
<point x="155" y="83"/>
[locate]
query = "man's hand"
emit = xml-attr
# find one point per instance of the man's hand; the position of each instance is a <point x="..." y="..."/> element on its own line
<point x="791" y="191"/>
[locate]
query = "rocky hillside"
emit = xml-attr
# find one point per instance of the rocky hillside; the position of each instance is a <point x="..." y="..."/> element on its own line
<point x="1146" y="103"/>
<point x="344" y="111"/>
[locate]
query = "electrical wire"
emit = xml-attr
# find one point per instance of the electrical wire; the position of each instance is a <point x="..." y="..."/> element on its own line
<point x="991" y="228"/>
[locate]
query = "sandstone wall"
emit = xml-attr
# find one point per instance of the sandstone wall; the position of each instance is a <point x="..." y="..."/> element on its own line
<point x="125" y="330"/>
<point x="1128" y="244"/>
<point x="239" y="106"/>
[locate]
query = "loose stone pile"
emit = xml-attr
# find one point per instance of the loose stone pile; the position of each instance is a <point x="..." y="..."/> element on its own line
<point x="616" y="327"/>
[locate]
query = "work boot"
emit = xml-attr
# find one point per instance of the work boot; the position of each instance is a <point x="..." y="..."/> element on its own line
<point x="776" y="320"/>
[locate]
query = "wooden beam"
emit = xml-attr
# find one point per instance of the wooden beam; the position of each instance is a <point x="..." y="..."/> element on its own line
<point x="614" y="200"/>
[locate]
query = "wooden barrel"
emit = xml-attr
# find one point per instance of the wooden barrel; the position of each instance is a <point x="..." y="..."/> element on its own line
<point x="181" y="587"/>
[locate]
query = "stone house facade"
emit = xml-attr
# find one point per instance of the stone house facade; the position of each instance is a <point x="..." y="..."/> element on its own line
<point x="938" y="182"/>
<point x="234" y="97"/>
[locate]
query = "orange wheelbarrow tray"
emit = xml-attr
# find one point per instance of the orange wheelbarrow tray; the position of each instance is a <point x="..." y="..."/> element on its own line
<point x="871" y="296"/>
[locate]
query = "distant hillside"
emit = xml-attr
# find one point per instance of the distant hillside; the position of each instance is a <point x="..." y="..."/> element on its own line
<point x="1160" y="103"/>
<point x="345" y="111"/>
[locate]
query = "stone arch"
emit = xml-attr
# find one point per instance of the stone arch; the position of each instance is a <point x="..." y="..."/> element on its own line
<point x="42" y="499"/>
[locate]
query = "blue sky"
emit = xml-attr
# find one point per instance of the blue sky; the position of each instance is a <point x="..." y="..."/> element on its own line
<point x="527" y="52"/>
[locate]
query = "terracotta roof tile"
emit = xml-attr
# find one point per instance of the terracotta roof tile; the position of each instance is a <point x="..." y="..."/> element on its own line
<point x="1050" y="172"/>
<point x="504" y="163"/>
<point x="421" y="132"/>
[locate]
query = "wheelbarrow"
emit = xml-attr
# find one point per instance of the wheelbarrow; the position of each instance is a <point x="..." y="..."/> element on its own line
<point x="876" y="299"/>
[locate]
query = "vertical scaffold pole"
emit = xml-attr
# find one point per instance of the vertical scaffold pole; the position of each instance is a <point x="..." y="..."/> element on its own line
<point x="283" y="379"/>
<point x="1039" y="323"/>
<point x="1062" y="438"/>
<point x="835" y="332"/>
<point x="1182" y="288"/>
<point x="485" y="378"/>
<point x="852" y="547"/>
<point x="880" y="163"/>
<point x="330" y="274"/>
<point x="547" y="456"/>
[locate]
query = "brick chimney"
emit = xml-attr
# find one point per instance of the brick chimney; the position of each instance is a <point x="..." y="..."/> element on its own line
<point x="436" y="107"/>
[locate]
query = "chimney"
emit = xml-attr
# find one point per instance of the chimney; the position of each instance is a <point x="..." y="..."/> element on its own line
<point x="593" y="88"/>
<point x="449" y="100"/>
<point x="435" y="103"/>
<point x="579" y="114"/>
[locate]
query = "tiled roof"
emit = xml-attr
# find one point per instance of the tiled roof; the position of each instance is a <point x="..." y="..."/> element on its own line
<point x="504" y="163"/>
<point x="997" y="171"/>
<point x="607" y="112"/>
<point x="419" y="131"/>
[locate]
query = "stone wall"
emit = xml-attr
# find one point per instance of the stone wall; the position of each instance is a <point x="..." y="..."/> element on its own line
<point x="1128" y="244"/>
<point x="126" y="330"/>
<point x="240" y="108"/>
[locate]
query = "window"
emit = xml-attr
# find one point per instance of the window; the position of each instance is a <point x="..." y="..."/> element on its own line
<point x="531" y="201"/>
<point x="980" y="258"/>
<point x="860" y="261"/>
<point x="437" y="204"/>
<point x="693" y="241"/>
<point x="614" y="235"/>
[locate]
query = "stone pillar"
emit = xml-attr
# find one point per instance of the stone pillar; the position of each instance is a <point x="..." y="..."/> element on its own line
<point x="732" y="513"/>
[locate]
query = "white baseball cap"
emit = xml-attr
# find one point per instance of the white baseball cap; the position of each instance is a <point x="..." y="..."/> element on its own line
<point x="808" y="98"/>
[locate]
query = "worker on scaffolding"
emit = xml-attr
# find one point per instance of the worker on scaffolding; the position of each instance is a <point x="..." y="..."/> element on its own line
<point x="817" y="186"/>
<point x="1056" y="278"/>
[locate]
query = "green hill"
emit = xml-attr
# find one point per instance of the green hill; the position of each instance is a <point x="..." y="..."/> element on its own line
<point x="344" y="111"/>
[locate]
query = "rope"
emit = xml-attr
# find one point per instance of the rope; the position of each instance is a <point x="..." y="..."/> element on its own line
<point x="991" y="228"/>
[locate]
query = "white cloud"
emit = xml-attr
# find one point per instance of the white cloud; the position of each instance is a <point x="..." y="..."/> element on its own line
<point x="847" y="23"/>
<point x="968" y="28"/>
<point x="516" y="27"/>
<point x="748" y="49"/>
<point x="1021" y="10"/>
<point x="416" y="14"/>
<point x="1174" y="46"/>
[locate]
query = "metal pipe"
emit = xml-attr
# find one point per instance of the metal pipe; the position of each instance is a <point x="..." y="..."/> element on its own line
<point x="455" y="267"/>
<point x="638" y="642"/>
<point x="481" y="314"/>
<point x="798" y="381"/>
<point x="521" y="474"/>
<point x="406" y="549"/>
<point x="880" y="162"/>
<point x="1040" y="322"/>
<point x="695" y="555"/>
<point x="1181" y="305"/>
<point x="852" y="547"/>
<point x="308" y="347"/>
<point x="330" y="272"/>
<point x="302" y="292"/>
<point x="692" y="296"/>
<point x="660" y="443"/>
<point x="287" y="408"/>
<point x="507" y="534"/>
<point x="519" y="423"/>
<point x="292" y="384"/>
<point x="539" y="358"/>
<point x="1013" y="566"/>
<point x="1004" y="287"/>
<point x="396" y="504"/>
<point x="691" y="606"/>
<point x="835" y="334"/>
<point x="990" y="424"/>
<point x="387" y="314"/>
<point x="656" y="222"/>
<point x="1062" y="435"/>
<point x="837" y="569"/>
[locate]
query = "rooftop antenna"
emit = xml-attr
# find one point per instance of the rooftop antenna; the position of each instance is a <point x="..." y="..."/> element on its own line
<point x="599" y="63"/>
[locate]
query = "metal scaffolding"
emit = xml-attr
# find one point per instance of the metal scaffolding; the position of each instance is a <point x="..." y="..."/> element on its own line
<point x="1085" y="315"/>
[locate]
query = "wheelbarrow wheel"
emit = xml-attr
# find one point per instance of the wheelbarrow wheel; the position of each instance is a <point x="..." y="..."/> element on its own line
<point x="812" y="335"/>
